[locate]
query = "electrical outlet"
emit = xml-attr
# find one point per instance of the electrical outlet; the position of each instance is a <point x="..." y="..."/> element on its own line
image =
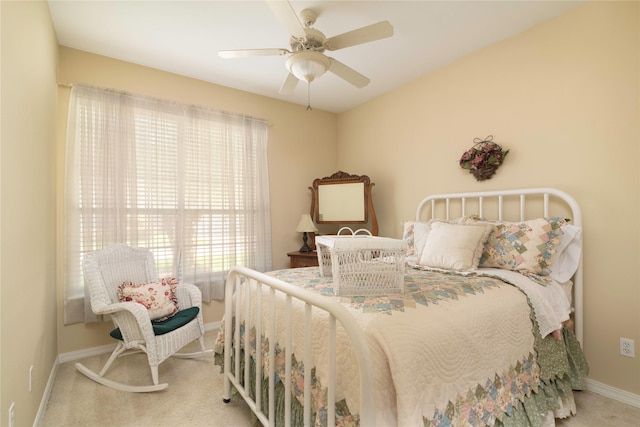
<point x="11" y="414"/>
<point x="627" y="347"/>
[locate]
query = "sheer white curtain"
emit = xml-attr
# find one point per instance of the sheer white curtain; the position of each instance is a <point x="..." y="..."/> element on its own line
<point x="189" y="183"/>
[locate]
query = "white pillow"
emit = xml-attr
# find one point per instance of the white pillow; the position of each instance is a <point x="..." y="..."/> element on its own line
<point x="415" y="234"/>
<point x="454" y="246"/>
<point x="567" y="257"/>
<point x="420" y="233"/>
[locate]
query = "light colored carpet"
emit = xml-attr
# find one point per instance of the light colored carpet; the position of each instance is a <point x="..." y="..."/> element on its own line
<point x="194" y="398"/>
<point x="595" y="410"/>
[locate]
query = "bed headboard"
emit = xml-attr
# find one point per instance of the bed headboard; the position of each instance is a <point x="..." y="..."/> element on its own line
<point x="513" y="205"/>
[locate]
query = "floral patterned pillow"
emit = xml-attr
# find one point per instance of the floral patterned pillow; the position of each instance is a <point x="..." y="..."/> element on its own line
<point x="159" y="298"/>
<point x="527" y="246"/>
<point x="415" y="234"/>
<point x="408" y="235"/>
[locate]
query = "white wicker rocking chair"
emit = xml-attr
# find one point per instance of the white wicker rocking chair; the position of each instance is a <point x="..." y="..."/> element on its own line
<point x="104" y="271"/>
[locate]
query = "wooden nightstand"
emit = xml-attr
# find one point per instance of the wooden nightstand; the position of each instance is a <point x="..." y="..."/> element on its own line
<point x="303" y="259"/>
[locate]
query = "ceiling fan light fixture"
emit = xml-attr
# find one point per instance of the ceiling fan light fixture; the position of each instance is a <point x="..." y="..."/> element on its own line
<point x="308" y="65"/>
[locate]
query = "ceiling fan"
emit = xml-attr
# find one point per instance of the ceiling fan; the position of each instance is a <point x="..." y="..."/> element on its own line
<point x="307" y="60"/>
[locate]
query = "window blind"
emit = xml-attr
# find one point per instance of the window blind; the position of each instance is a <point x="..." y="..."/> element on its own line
<point x="187" y="182"/>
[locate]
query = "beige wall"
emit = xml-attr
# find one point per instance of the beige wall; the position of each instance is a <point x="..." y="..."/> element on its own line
<point x="302" y="146"/>
<point x="563" y="97"/>
<point x="27" y="206"/>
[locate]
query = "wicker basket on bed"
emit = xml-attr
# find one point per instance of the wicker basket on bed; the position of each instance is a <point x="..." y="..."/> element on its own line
<point x="362" y="264"/>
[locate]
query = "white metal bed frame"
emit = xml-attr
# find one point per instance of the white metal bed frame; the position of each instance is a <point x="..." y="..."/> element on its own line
<point x="241" y="276"/>
<point x="547" y="194"/>
<point x="237" y="310"/>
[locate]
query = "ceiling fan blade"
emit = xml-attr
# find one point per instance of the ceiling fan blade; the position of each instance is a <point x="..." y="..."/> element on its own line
<point x="243" y="53"/>
<point x="381" y="30"/>
<point x="288" y="17"/>
<point x="348" y="74"/>
<point x="289" y="84"/>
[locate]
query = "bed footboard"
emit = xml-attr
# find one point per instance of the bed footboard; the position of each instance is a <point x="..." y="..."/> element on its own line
<point x="238" y="310"/>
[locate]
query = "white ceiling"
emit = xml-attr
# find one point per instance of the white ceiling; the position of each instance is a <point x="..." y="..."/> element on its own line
<point x="184" y="37"/>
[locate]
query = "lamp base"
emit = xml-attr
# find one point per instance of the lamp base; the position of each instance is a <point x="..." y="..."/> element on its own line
<point x="305" y="247"/>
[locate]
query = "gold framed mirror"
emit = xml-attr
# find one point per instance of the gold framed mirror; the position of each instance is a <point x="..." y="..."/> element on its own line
<point x="343" y="198"/>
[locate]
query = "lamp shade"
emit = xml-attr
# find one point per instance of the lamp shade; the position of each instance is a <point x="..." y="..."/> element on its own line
<point x="306" y="224"/>
<point x="308" y="65"/>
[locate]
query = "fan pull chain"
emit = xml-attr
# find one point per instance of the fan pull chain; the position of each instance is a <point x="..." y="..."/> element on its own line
<point x="309" y="96"/>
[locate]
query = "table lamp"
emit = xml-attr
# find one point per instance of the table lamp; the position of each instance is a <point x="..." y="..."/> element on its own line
<point x="305" y="226"/>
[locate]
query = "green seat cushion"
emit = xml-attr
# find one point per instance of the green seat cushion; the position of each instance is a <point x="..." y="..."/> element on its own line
<point x="179" y="319"/>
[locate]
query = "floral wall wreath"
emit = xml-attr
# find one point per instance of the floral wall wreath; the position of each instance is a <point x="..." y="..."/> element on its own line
<point x="484" y="158"/>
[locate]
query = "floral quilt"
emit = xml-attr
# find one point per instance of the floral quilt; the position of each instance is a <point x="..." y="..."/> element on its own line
<point x="450" y="350"/>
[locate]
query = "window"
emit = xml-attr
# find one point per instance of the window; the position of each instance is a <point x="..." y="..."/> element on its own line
<point x="189" y="183"/>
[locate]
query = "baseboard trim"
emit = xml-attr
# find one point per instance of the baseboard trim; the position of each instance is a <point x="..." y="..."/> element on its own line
<point x="46" y="394"/>
<point x="108" y="348"/>
<point x="613" y="393"/>
<point x="86" y="352"/>
<point x="212" y="326"/>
